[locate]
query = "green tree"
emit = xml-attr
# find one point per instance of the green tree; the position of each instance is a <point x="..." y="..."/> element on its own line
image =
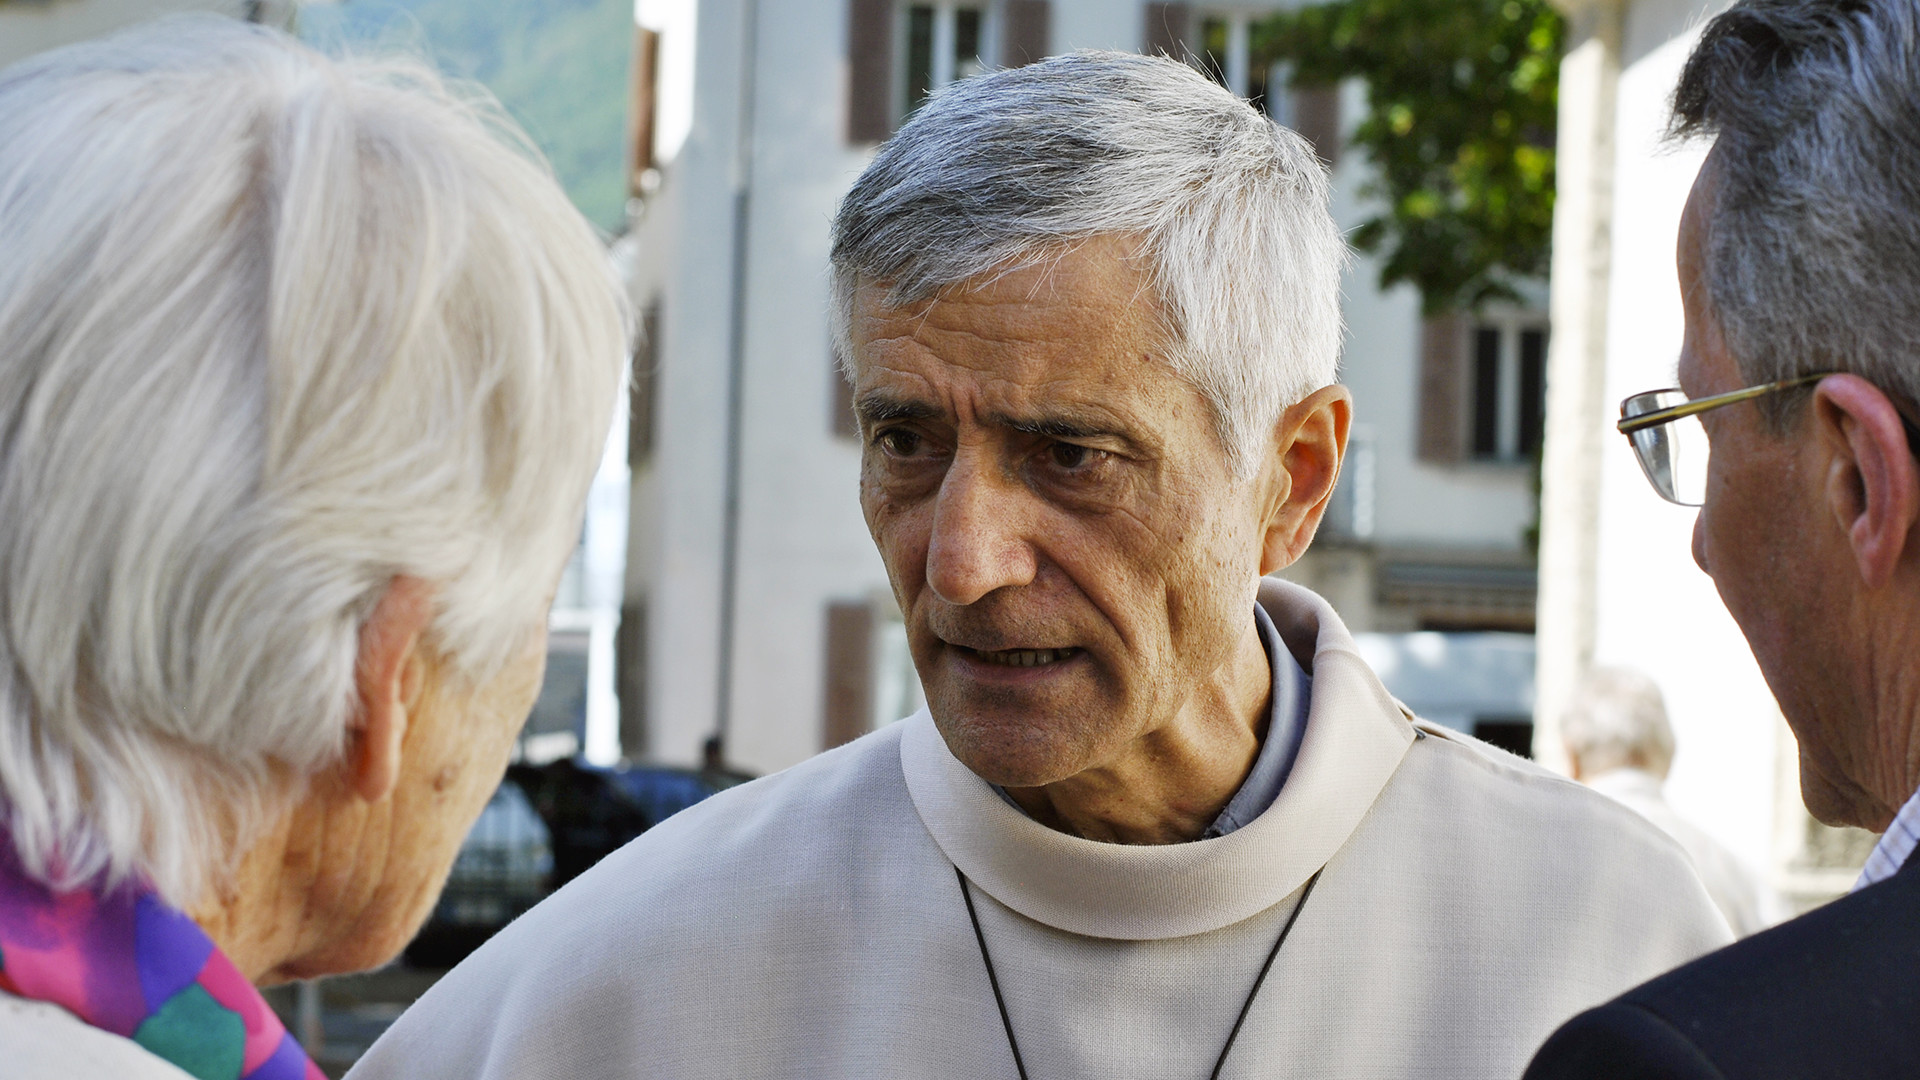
<point x="1462" y="97"/>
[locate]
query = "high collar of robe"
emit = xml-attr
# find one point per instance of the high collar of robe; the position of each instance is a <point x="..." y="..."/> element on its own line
<point x="1355" y="739"/>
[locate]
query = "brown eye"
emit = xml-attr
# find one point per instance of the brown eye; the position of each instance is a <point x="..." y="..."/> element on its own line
<point x="899" y="442"/>
<point x="1069" y="456"/>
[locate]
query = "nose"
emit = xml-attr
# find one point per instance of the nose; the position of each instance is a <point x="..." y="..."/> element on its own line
<point x="977" y="546"/>
<point x="1700" y="543"/>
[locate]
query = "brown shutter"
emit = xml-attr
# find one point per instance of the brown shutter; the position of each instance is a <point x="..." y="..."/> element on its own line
<point x="1029" y="28"/>
<point x="630" y="681"/>
<point x="645" y="389"/>
<point x="642" y="97"/>
<point x="869" y="70"/>
<point x="849" y="712"/>
<point x="1443" y="349"/>
<point x="1316" y="116"/>
<point x="1169" y="27"/>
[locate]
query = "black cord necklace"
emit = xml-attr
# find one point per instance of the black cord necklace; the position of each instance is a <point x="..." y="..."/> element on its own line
<point x="1013" y="1044"/>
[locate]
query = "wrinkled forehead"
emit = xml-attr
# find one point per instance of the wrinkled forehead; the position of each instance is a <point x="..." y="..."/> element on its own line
<point x="1085" y="323"/>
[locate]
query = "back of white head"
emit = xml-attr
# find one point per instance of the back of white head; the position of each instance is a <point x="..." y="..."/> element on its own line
<point x="1618" y="719"/>
<point x="274" y="329"/>
<point x="1007" y="169"/>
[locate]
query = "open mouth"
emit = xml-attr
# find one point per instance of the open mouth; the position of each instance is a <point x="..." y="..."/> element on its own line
<point x="1025" y="658"/>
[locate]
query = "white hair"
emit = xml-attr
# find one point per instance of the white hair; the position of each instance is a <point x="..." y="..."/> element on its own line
<point x="1618" y="719"/>
<point x="1011" y="168"/>
<point x="274" y="329"/>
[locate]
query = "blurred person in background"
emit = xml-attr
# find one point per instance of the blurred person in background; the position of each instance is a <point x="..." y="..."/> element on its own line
<point x="1620" y="744"/>
<point x="1799" y="267"/>
<point x="304" y="370"/>
<point x="1159" y="818"/>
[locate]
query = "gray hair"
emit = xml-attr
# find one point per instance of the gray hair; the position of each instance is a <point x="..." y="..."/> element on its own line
<point x="273" y="330"/>
<point x="1009" y="169"/>
<point x="1813" y="250"/>
<point x="1618" y="719"/>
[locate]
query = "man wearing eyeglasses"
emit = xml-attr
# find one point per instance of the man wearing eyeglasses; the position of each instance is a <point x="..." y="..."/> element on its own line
<point x="1799" y="261"/>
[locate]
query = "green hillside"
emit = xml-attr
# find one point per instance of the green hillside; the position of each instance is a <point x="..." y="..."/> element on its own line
<point x="559" y="66"/>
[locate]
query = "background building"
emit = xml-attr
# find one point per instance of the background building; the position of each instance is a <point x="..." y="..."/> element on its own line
<point x="1618" y="583"/>
<point x="755" y="605"/>
<point x="31" y="26"/>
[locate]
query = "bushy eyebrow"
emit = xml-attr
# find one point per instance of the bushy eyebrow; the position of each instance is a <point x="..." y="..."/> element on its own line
<point x="1050" y="427"/>
<point x="879" y="407"/>
<point x="875" y="407"/>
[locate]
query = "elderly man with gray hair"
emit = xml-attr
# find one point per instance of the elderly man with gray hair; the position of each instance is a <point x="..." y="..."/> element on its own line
<point x="1620" y="744"/>
<point x="1799" y="267"/>
<point x="1158" y="818"/>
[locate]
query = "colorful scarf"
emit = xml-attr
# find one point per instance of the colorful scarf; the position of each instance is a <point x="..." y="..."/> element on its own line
<point x="124" y="961"/>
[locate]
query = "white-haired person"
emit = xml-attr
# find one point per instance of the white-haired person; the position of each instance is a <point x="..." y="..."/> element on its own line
<point x="305" y="367"/>
<point x="1620" y="743"/>
<point x="1158" y="819"/>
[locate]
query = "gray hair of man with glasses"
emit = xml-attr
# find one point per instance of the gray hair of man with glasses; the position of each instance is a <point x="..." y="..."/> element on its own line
<point x="1813" y="242"/>
<point x="1008" y="169"/>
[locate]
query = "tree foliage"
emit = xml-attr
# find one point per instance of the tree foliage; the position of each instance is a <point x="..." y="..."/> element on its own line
<point x="1462" y="101"/>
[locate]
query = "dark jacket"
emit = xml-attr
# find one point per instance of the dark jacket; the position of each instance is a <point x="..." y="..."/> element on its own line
<point x="1834" y="993"/>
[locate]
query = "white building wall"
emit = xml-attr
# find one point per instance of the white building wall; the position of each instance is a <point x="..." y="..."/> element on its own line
<point x="1655" y="609"/>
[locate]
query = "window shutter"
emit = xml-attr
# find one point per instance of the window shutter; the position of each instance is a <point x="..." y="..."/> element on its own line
<point x="630" y="681"/>
<point x="1169" y="27"/>
<point x="1443" y="347"/>
<point x="642" y="107"/>
<point x="1029" y="25"/>
<point x="645" y="387"/>
<point x="1316" y="116"/>
<point x="849" y="711"/>
<point x="869" y="70"/>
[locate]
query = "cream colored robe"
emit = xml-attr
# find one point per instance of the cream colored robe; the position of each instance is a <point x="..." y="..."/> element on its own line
<point x="811" y="924"/>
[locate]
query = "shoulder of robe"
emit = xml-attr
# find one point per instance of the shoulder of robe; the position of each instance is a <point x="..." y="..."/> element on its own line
<point x="40" y="1041"/>
<point x="1534" y="829"/>
<point x="705" y="896"/>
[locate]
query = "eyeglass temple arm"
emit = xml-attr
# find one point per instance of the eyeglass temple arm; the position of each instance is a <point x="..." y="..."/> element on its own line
<point x="1630" y="424"/>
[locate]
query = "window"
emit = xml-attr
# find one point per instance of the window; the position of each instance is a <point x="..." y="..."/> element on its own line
<point x="870" y="677"/>
<point x="899" y="52"/>
<point x="1225" y="54"/>
<point x="1509" y="384"/>
<point x="942" y="44"/>
<point x="1224" y="51"/>
<point x="1483" y="387"/>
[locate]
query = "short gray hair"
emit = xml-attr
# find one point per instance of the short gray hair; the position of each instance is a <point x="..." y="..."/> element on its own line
<point x="1813" y="250"/>
<point x="273" y="330"/>
<point x="1618" y="719"/>
<point x="1011" y="168"/>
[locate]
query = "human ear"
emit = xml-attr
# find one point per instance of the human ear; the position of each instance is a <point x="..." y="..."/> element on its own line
<point x="386" y="675"/>
<point x="1872" y="483"/>
<point x="1310" y="440"/>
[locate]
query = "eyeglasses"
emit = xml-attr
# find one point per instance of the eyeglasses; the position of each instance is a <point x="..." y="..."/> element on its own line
<point x="1670" y="443"/>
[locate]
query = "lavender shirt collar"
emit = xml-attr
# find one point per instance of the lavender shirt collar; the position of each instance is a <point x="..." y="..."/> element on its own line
<point x="1286" y="725"/>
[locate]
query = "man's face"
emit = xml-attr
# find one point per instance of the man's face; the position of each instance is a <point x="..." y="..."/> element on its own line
<point x="1064" y="534"/>
<point x="1758" y="534"/>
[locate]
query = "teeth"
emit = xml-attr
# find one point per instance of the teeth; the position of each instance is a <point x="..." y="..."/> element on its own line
<point x="1025" y="657"/>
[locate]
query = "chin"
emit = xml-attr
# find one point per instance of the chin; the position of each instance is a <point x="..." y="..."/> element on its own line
<point x="1838" y="804"/>
<point x="1015" y="751"/>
